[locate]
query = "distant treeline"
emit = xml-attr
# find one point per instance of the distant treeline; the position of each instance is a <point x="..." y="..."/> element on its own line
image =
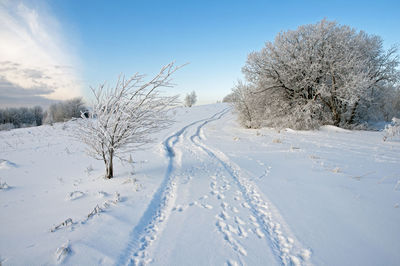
<point x="21" y="117"/>
<point x="26" y="117"/>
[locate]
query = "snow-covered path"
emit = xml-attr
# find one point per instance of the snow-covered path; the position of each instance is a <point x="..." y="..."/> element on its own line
<point x="208" y="210"/>
<point x="209" y="193"/>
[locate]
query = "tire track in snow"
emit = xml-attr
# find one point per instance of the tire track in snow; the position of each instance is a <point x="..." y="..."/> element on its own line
<point x="159" y="209"/>
<point x="286" y="248"/>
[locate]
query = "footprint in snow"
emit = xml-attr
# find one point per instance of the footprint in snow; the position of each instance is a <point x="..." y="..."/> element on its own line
<point x="232" y="263"/>
<point x="193" y="203"/>
<point x="246" y="205"/>
<point x="102" y="194"/>
<point x="232" y="229"/>
<point x="221" y="225"/>
<point x="239" y="221"/>
<point x="186" y="180"/>
<point x="214" y="192"/>
<point x="179" y="208"/>
<point x="207" y="206"/>
<point x="75" y="195"/>
<point x="203" y="197"/>
<point x="225" y="187"/>
<point x="224" y="215"/>
<point x="254" y="221"/>
<point x="258" y="232"/>
<point x="241" y="231"/>
<point x="224" y="205"/>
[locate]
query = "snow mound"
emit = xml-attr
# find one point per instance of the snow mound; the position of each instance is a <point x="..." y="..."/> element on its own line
<point x="5" y="164"/>
<point x="329" y="128"/>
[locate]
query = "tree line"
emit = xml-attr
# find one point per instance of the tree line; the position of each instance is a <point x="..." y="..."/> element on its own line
<point x="35" y="116"/>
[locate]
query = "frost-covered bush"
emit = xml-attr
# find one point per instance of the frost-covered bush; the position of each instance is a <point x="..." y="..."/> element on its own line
<point x="6" y="126"/>
<point x="324" y="73"/>
<point x="248" y="107"/>
<point x="230" y="98"/>
<point x="392" y="130"/>
<point x="63" y="111"/>
<point x="190" y="99"/>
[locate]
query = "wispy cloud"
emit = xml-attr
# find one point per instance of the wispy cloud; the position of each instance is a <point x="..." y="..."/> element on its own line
<point x="34" y="62"/>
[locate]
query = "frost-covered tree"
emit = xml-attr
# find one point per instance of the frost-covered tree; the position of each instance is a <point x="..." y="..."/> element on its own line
<point x="38" y="114"/>
<point x="249" y="108"/>
<point x="190" y="99"/>
<point x="65" y="110"/>
<point x="322" y="73"/>
<point x="392" y="130"/>
<point x="230" y="98"/>
<point x="123" y="118"/>
<point x="21" y="117"/>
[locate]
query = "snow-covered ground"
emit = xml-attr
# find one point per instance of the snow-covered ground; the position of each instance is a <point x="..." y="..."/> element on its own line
<point x="209" y="193"/>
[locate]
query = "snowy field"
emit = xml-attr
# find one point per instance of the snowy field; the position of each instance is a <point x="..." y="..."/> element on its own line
<point x="207" y="193"/>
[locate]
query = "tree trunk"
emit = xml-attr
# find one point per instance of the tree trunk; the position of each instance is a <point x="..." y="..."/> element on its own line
<point x="109" y="167"/>
<point x="353" y="113"/>
<point x="336" y="117"/>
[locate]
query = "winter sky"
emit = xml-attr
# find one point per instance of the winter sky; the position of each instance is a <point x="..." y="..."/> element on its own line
<point x="54" y="50"/>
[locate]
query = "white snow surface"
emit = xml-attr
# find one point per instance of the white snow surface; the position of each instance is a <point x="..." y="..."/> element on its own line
<point x="208" y="193"/>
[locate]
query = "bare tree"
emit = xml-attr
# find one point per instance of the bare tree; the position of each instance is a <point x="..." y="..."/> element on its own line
<point x="123" y="118"/>
<point x="190" y="99"/>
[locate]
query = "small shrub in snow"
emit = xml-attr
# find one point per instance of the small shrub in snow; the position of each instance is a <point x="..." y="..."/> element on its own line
<point x="95" y="211"/>
<point x="392" y="130"/>
<point x="336" y="170"/>
<point x="63" y="224"/>
<point x="4" y="186"/>
<point x="62" y="252"/>
<point x="89" y="170"/>
<point x="114" y="201"/>
<point x="190" y="99"/>
<point x="117" y="197"/>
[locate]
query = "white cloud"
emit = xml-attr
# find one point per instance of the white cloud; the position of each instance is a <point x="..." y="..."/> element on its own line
<point x="32" y="52"/>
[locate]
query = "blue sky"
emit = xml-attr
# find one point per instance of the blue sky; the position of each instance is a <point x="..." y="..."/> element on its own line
<point x="101" y="39"/>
